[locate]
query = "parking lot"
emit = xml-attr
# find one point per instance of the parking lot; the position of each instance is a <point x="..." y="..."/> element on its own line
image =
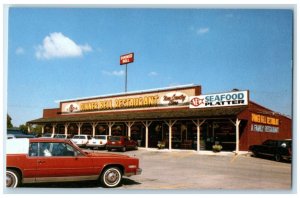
<point x="192" y="171"/>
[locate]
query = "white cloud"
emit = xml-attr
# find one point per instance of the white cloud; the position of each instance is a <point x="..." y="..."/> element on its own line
<point x="86" y="48"/>
<point x="114" y="73"/>
<point x="201" y="31"/>
<point x="152" y="74"/>
<point x="56" y="45"/>
<point x="20" y="51"/>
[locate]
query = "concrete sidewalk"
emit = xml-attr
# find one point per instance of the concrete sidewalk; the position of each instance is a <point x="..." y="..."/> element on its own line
<point x="202" y="152"/>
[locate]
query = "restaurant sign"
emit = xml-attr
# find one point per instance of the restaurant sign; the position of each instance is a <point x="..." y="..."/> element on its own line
<point x="139" y="101"/>
<point x="264" y="119"/>
<point x="127" y="58"/>
<point x="235" y="98"/>
<point x="264" y="128"/>
<point x="264" y="123"/>
<point x="174" y="98"/>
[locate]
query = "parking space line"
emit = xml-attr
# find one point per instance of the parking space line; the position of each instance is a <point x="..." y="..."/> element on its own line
<point x="233" y="158"/>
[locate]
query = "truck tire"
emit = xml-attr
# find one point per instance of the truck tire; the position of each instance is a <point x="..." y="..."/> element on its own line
<point x="277" y="157"/>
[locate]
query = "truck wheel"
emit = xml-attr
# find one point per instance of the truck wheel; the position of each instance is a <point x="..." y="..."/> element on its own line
<point x="111" y="177"/>
<point x="254" y="154"/>
<point x="277" y="157"/>
<point x="12" y="178"/>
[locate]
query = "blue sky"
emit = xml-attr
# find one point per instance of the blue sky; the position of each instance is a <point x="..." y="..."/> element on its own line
<point x="64" y="53"/>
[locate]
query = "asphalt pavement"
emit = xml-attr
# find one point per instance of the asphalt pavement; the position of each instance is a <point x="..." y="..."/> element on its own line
<point x="189" y="170"/>
<point x="192" y="172"/>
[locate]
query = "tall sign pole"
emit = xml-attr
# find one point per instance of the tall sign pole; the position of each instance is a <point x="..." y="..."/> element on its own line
<point x="124" y="60"/>
<point x="126" y="78"/>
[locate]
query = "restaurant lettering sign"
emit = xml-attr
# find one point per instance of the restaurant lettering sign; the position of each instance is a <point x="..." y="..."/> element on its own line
<point x="264" y="119"/>
<point x="174" y="98"/>
<point x="127" y="58"/>
<point x="236" y="98"/>
<point x="264" y="123"/>
<point x="139" y="101"/>
<point x="264" y="128"/>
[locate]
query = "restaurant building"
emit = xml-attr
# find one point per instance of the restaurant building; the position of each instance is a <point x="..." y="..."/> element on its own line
<point x="180" y="116"/>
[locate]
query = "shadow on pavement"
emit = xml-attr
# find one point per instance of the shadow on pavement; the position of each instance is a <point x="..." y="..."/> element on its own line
<point x="82" y="184"/>
<point x="129" y="182"/>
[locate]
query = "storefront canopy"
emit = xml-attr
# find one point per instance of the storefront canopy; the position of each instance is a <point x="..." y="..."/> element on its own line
<point x="203" y="113"/>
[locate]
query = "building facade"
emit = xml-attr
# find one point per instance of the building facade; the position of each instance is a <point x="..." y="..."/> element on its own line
<point x="181" y="116"/>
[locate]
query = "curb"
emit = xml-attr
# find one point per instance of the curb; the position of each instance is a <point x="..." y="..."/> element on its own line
<point x="221" y="153"/>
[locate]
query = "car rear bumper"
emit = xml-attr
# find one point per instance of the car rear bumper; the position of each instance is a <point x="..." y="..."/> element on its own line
<point x="139" y="171"/>
<point x="289" y="158"/>
<point x="95" y="145"/>
<point x="114" y="146"/>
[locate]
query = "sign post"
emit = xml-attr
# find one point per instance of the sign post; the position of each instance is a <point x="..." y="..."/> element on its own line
<point x="125" y="78"/>
<point x="124" y="60"/>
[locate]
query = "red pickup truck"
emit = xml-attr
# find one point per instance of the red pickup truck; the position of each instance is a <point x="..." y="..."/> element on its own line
<point x="37" y="160"/>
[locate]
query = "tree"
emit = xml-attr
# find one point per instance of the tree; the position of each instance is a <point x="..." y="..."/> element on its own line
<point x="36" y="129"/>
<point x="9" y="124"/>
<point x="23" y="127"/>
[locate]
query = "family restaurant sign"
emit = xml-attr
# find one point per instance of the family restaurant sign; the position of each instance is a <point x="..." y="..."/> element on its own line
<point x="264" y="128"/>
<point x="264" y="123"/>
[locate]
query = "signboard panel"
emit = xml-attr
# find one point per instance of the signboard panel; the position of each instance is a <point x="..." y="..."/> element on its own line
<point x="236" y="98"/>
<point x="264" y="119"/>
<point x="127" y="58"/>
<point x="264" y="123"/>
<point x="160" y="99"/>
<point x="264" y="128"/>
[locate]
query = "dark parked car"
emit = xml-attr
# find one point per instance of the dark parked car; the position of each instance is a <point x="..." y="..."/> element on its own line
<point x="62" y="136"/>
<point x="278" y="149"/>
<point x="122" y="143"/>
